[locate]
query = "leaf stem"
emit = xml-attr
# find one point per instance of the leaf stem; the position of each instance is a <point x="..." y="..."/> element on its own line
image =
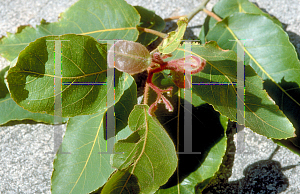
<point x="213" y="15"/>
<point x="178" y="114"/>
<point x="146" y="91"/>
<point x="174" y="18"/>
<point x="197" y="10"/>
<point x="160" y="34"/>
<point x="189" y="16"/>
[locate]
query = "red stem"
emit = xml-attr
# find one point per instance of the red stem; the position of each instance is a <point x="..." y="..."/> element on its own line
<point x="175" y="65"/>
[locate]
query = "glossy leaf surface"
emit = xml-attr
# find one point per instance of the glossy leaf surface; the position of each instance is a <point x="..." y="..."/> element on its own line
<point x="173" y="40"/>
<point x="226" y="8"/>
<point x="270" y="54"/>
<point x="262" y="115"/>
<point x="101" y="19"/>
<point x="10" y="111"/>
<point x="126" y="103"/>
<point x="31" y="80"/>
<point x="121" y="181"/>
<point x="283" y="68"/>
<point x="147" y="151"/>
<point x="87" y="170"/>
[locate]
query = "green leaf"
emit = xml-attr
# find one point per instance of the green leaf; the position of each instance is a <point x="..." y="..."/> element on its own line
<point x="147" y="151"/>
<point x="209" y="165"/>
<point x="84" y="170"/>
<point x="101" y="19"/>
<point x="149" y="20"/>
<point x="31" y="80"/>
<point x="271" y="55"/>
<point x="10" y="111"/>
<point x="126" y="104"/>
<point x="121" y="181"/>
<point x="209" y="138"/>
<point x="225" y="8"/>
<point x="205" y="28"/>
<point x="289" y="108"/>
<point x="170" y="43"/>
<point x="262" y="115"/>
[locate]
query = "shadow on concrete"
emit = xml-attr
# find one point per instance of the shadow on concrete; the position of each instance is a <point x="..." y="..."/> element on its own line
<point x="264" y="176"/>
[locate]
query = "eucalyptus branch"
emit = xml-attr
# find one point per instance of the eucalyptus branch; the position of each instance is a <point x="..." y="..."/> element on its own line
<point x="211" y="14"/>
<point x="160" y="34"/>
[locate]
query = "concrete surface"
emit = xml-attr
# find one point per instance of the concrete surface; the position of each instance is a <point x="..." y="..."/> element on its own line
<point x="24" y="166"/>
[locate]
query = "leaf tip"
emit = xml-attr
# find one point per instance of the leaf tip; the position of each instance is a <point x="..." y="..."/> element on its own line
<point x="294" y="134"/>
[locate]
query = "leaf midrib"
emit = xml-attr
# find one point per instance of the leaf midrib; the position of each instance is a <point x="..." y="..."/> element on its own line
<point x="94" y="142"/>
<point x="142" y="152"/>
<point x="85" y="33"/>
<point x="260" y="67"/>
<point x="48" y="75"/>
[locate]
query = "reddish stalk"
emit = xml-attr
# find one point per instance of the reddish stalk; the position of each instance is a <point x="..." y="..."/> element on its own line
<point x="177" y="65"/>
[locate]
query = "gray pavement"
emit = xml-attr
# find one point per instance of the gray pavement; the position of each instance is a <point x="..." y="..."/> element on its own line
<point x="24" y="166"/>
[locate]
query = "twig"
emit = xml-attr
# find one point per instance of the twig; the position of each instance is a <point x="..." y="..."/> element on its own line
<point x="189" y="16"/>
<point x="160" y="34"/>
<point x="156" y="49"/>
<point x="211" y="14"/>
<point x="163" y="35"/>
<point x="173" y="18"/>
<point x="197" y="10"/>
